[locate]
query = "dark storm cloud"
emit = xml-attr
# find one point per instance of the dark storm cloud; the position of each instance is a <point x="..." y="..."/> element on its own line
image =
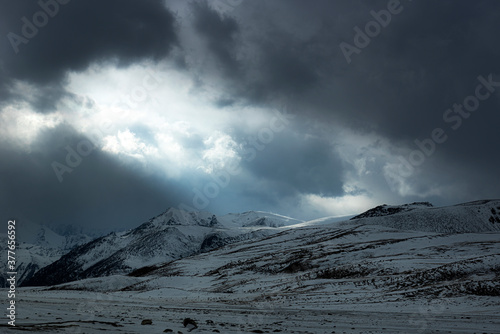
<point x="285" y="70"/>
<point x="426" y="59"/>
<point x="294" y="164"/>
<point x="76" y="34"/>
<point x="100" y="193"/>
<point x="421" y="66"/>
<point x="219" y="33"/>
<point x="41" y="41"/>
<point x="396" y="88"/>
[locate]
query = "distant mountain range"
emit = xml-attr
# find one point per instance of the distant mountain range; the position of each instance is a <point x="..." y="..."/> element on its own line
<point x="387" y="261"/>
<point x="175" y="235"/>
<point x="40" y="246"/>
<point x="171" y="235"/>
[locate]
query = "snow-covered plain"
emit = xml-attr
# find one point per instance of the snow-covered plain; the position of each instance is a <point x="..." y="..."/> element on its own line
<point x="357" y="276"/>
<point x="123" y="312"/>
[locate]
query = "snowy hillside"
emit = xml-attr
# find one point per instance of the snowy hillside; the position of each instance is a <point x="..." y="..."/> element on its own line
<point x="479" y="216"/>
<point x="350" y="264"/>
<point x="171" y="235"/>
<point x="387" y="210"/>
<point x="176" y="234"/>
<point x="349" y="277"/>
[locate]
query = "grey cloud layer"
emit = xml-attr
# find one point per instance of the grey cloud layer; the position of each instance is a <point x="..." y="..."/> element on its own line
<point x="398" y="87"/>
<point x="79" y="33"/>
<point x="100" y="193"/>
<point x="426" y="60"/>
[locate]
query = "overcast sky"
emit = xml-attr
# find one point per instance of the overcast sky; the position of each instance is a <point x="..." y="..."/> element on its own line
<point x="112" y="111"/>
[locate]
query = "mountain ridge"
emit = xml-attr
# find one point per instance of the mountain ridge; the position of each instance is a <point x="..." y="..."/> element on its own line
<point x="175" y="234"/>
<point x="471" y="217"/>
<point x="168" y="236"/>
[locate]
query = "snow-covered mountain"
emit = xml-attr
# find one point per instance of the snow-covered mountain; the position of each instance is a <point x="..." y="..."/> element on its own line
<point x="405" y="270"/>
<point x="177" y="234"/>
<point x="172" y="235"/>
<point x="387" y="210"/>
<point x="472" y="217"/>
<point x="39" y="246"/>
<point x="353" y="263"/>
<point x="257" y="218"/>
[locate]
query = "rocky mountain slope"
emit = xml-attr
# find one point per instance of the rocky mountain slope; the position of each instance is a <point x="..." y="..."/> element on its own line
<point x="364" y="260"/>
<point x="387" y="210"/>
<point x="472" y="217"/>
<point x="171" y="235"/>
<point x="177" y="234"/>
<point x="362" y="275"/>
